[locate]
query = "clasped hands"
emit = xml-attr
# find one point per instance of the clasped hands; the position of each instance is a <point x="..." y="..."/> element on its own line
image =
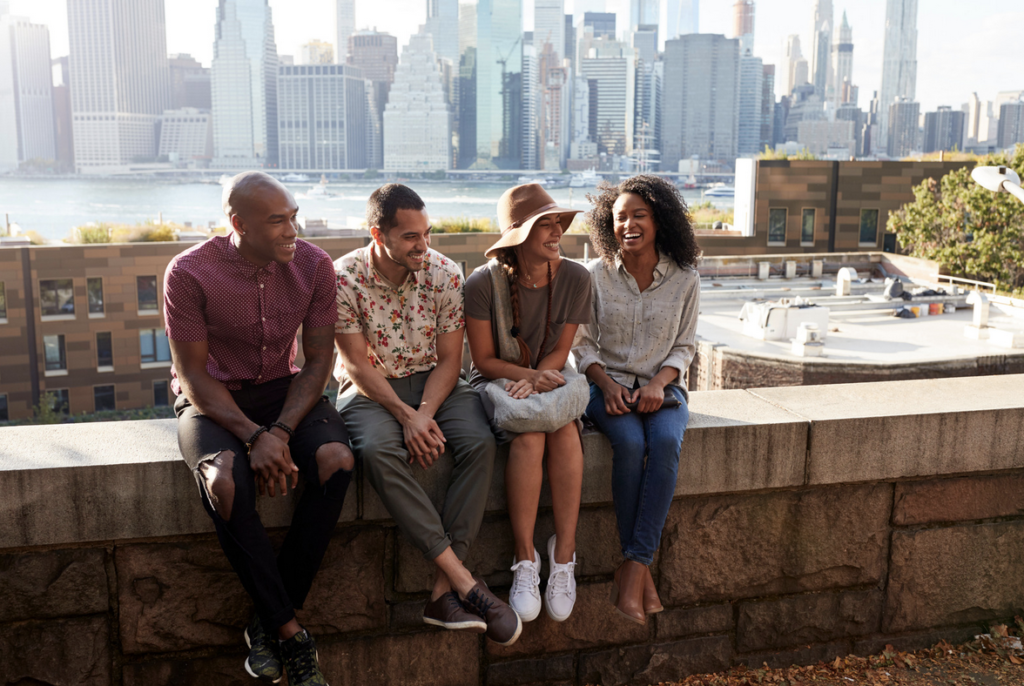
<point x="271" y="459"/>
<point x="648" y="398"/>
<point x="539" y="381"/>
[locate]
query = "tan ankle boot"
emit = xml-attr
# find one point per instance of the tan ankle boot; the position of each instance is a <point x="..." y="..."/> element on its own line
<point x="628" y="591"/>
<point x="652" y="603"/>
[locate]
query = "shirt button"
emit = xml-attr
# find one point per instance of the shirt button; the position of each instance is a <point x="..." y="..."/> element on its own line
<point x="261" y="285"/>
<point x="264" y="347"/>
<point x="263" y="318"/>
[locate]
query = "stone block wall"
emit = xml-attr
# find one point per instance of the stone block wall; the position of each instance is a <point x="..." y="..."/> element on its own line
<point x="808" y="523"/>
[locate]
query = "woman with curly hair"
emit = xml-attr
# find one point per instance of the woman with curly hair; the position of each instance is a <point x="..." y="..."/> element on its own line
<point x="549" y="297"/>
<point x="635" y="350"/>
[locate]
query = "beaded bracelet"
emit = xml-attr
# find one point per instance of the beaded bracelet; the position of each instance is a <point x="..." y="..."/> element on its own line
<point x="284" y="427"/>
<point x="252" y="439"/>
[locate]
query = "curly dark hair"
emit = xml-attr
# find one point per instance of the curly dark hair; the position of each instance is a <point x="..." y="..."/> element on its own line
<point x="668" y="209"/>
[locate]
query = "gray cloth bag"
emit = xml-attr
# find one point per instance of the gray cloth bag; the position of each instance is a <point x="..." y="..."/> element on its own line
<point x="541" y="412"/>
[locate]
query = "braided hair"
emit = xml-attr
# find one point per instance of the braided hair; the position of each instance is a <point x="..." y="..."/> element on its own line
<point x="507" y="257"/>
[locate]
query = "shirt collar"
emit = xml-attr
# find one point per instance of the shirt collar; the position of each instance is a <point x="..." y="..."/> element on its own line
<point x="660" y="269"/>
<point x="246" y="267"/>
<point x="376" y="278"/>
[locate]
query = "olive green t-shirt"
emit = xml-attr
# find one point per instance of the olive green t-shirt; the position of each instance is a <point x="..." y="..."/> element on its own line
<point x="570" y="304"/>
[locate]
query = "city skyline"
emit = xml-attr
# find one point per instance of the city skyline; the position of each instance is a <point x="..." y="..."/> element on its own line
<point x="945" y="77"/>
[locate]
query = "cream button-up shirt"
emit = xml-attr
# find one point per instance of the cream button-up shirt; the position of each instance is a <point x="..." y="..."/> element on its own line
<point x="633" y="335"/>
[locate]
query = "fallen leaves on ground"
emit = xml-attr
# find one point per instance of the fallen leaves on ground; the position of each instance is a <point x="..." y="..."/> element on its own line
<point x="992" y="659"/>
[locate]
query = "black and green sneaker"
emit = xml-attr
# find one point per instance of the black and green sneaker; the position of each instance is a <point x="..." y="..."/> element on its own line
<point x="301" y="661"/>
<point x="264" y="661"/>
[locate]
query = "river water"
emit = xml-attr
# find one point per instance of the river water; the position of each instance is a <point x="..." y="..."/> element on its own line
<point x="51" y="207"/>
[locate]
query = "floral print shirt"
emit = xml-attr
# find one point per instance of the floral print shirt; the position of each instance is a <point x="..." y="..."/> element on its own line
<point x="400" y="323"/>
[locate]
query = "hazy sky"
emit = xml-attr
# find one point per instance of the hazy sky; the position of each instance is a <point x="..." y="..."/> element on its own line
<point x="959" y="50"/>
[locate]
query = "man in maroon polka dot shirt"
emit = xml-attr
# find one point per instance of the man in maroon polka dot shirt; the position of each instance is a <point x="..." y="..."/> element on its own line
<point x="248" y="418"/>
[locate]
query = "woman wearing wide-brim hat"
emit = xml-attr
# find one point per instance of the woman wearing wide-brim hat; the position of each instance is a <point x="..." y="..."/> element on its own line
<point x="550" y="298"/>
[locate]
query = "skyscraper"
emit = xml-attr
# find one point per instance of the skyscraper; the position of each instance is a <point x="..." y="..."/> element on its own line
<point x="613" y="67"/>
<point x="530" y="80"/>
<point x="443" y="26"/>
<point x="119" y="80"/>
<point x="751" y="95"/>
<point x="767" y="108"/>
<point x="743" y="25"/>
<point x="549" y="26"/>
<point x="497" y="58"/>
<point x="26" y="97"/>
<point x="842" y="57"/>
<point x="899" y="60"/>
<point x="903" y="118"/>
<point x="316" y="52"/>
<point x="943" y="129"/>
<point x="321" y="117"/>
<point x="417" y="120"/>
<point x="643" y="13"/>
<point x="681" y="17"/>
<point x="821" y="50"/>
<point x="376" y="54"/>
<point x="244" y="86"/>
<point x="796" y="66"/>
<point x="700" y="114"/>
<point x="190" y="83"/>
<point x="345" y="27"/>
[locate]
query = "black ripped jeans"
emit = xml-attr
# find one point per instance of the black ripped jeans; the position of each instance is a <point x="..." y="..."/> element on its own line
<point x="277" y="584"/>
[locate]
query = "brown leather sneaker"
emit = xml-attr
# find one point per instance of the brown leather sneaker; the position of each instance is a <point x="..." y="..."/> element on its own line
<point x="503" y="624"/>
<point x="447" y="611"/>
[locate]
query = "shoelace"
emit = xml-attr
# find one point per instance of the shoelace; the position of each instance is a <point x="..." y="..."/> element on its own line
<point x="302" y="662"/>
<point x="560" y="578"/>
<point x="453" y="601"/>
<point x="525" y="578"/>
<point x="479" y="604"/>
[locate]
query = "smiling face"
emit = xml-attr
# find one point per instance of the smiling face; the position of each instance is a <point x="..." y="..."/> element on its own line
<point x="634" y="227"/>
<point x="405" y="244"/>
<point x="543" y="241"/>
<point x="266" y="224"/>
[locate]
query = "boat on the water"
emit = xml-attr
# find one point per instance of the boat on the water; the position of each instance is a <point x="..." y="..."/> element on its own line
<point x="720" y="190"/>
<point x="584" y="179"/>
<point x="295" y="178"/>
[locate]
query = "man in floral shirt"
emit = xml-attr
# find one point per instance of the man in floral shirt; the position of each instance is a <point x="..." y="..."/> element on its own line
<point x="400" y="338"/>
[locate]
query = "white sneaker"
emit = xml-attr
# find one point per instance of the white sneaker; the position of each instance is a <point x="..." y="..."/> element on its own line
<point x="524" y="596"/>
<point x="560" y="595"/>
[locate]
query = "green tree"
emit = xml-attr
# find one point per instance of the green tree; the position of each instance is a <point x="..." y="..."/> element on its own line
<point x="973" y="232"/>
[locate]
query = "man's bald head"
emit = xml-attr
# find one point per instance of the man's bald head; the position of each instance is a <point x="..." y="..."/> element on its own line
<point x="246" y="188"/>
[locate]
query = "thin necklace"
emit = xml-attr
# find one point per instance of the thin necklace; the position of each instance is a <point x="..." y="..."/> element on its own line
<point x="528" y="282"/>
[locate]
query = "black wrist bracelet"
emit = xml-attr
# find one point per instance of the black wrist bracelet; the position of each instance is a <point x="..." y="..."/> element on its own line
<point x="284" y="427"/>
<point x="252" y="439"/>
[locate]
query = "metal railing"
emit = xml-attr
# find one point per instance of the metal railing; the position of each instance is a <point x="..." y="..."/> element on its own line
<point x="972" y="282"/>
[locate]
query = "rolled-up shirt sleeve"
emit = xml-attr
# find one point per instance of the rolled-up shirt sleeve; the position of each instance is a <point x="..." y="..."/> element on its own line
<point x="184" y="300"/>
<point x="323" y="310"/>
<point x="584" y="346"/>
<point x="684" y="347"/>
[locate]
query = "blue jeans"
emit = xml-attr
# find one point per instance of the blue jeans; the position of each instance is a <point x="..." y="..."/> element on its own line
<point x="642" y="491"/>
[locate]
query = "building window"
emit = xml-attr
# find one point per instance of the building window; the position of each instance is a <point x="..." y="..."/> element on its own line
<point x="807" y="228"/>
<point x="104" y="351"/>
<point x="57" y="297"/>
<point x="104" y="398"/>
<point x="153" y="346"/>
<point x="146" y="286"/>
<point x="777" y="226"/>
<point x="868" y="227"/>
<point x="60" y="400"/>
<point x="53" y="349"/>
<point x="94" y="289"/>
<point x="160" y="396"/>
<point x="3" y="302"/>
<point x="3" y="408"/>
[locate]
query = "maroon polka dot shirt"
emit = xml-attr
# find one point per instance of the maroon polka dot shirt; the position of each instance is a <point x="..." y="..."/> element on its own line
<point x="249" y="315"/>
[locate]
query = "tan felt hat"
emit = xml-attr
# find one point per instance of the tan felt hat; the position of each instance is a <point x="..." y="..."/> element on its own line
<point x="519" y="208"/>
